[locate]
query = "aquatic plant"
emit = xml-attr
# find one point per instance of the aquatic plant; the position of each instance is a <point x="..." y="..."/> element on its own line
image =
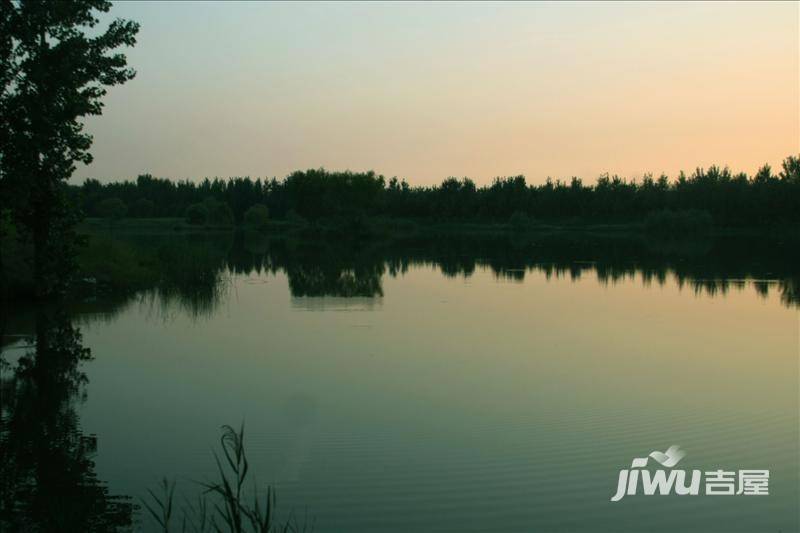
<point x="225" y="505"/>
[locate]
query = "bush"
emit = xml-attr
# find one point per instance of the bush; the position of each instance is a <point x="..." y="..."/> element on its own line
<point x="210" y="213"/>
<point x="113" y="208"/>
<point x="683" y="223"/>
<point x="196" y="214"/>
<point x="218" y="213"/>
<point x="142" y="208"/>
<point x="257" y="216"/>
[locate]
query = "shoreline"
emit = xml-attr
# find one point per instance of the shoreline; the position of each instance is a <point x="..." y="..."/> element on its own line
<point x="400" y="227"/>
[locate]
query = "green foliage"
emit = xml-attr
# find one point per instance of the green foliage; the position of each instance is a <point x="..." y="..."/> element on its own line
<point x="791" y="170"/>
<point x="112" y="208"/>
<point x="316" y="194"/>
<point x="257" y="216"/>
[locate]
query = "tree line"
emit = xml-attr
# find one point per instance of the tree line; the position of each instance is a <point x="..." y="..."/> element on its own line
<point x="729" y="199"/>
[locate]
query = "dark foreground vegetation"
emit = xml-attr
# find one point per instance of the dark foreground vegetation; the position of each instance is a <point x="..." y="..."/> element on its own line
<point x="227" y="504"/>
<point x="56" y="64"/>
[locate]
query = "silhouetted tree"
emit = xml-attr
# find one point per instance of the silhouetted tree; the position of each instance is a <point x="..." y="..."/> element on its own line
<point x="55" y="70"/>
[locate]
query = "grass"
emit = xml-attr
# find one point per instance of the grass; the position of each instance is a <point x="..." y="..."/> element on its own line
<point x="144" y="226"/>
<point x="116" y="264"/>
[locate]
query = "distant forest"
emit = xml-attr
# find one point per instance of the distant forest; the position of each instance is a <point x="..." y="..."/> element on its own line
<point x="727" y="199"/>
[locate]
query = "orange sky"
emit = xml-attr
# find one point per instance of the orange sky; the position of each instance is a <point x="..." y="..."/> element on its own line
<point x="424" y="91"/>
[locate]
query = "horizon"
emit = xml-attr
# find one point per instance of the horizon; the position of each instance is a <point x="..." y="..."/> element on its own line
<point x="775" y="171"/>
<point x="425" y="92"/>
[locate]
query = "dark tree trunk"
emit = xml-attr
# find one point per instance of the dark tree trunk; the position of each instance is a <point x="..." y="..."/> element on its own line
<point x="41" y="223"/>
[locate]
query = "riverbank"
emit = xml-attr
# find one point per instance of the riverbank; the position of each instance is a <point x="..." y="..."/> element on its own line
<point x="404" y="227"/>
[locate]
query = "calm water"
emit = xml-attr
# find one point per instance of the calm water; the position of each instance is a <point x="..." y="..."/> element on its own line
<point x="425" y="395"/>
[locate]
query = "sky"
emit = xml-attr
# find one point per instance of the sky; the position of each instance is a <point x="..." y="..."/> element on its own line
<point x="423" y="91"/>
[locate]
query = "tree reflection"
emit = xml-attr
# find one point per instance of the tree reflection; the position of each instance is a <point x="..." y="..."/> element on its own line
<point x="192" y="273"/>
<point x="47" y="476"/>
<point x="352" y="269"/>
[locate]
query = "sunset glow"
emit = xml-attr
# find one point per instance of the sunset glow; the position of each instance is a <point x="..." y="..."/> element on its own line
<point x="426" y="91"/>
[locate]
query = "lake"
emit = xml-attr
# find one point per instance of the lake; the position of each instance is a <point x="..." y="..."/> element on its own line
<point x="452" y="386"/>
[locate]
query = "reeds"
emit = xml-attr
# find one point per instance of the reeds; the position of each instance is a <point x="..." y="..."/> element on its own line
<point x="223" y="506"/>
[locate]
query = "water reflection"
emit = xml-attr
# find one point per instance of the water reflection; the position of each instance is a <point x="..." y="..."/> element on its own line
<point x="357" y="269"/>
<point x="47" y="477"/>
<point x="194" y="271"/>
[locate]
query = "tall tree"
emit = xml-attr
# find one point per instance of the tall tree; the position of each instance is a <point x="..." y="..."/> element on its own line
<point x="56" y="64"/>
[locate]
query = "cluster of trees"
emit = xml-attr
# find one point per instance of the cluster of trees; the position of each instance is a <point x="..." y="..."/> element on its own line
<point x="714" y="194"/>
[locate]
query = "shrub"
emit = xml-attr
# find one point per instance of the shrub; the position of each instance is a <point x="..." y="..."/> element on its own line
<point x="257" y="216"/>
<point x="211" y="212"/>
<point x="142" y="208"/>
<point x="113" y="208"/>
<point x="217" y="213"/>
<point x="196" y="214"/>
